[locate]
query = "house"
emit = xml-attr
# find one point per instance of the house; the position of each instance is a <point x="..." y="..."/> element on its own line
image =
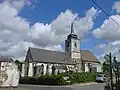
<point x="40" y="61"/>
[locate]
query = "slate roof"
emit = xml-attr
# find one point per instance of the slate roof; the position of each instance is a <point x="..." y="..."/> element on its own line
<point x="42" y="55"/>
<point x="88" y="56"/>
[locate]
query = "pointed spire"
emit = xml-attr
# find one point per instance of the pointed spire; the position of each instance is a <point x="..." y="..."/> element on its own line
<point x="72" y="28"/>
<point x="72" y="33"/>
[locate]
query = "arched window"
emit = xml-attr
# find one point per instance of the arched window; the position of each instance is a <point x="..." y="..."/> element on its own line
<point x="53" y="69"/>
<point x="34" y="69"/>
<point x="58" y="72"/>
<point x="42" y="69"/>
<point x="89" y="65"/>
<point x="75" y="44"/>
<point x="47" y="69"/>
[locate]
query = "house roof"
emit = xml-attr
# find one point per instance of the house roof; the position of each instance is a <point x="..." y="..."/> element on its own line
<point x="42" y="55"/>
<point x="88" y="56"/>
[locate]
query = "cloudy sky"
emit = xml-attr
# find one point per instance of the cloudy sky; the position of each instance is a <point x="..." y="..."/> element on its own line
<point x="46" y="23"/>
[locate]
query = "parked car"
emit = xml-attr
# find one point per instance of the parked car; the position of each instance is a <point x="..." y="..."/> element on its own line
<point x="100" y="78"/>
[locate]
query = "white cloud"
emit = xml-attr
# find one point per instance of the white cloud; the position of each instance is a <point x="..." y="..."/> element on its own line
<point x="16" y="34"/>
<point x="112" y="47"/>
<point x="18" y="4"/>
<point x="109" y="30"/>
<point x="55" y="33"/>
<point x="61" y="25"/>
<point x="7" y="9"/>
<point x="116" y="6"/>
<point x="82" y="25"/>
<point x="54" y="47"/>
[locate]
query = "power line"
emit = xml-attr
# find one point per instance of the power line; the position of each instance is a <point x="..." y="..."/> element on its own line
<point x="105" y="12"/>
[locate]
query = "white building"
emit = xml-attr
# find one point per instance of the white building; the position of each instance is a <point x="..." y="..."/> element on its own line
<point x="41" y="61"/>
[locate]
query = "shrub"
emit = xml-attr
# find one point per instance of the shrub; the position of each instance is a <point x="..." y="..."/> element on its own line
<point x="81" y="77"/>
<point x="58" y="79"/>
<point x="44" y="80"/>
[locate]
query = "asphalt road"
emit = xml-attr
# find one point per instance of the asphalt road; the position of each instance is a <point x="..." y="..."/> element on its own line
<point x="32" y="87"/>
<point x="99" y="86"/>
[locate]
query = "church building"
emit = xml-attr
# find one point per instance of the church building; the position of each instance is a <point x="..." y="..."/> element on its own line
<point x="40" y="61"/>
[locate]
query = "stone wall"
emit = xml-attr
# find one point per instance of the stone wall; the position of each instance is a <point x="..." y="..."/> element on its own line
<point x="9" y="75"/>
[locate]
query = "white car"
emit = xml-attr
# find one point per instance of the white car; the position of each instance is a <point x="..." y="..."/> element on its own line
<point x="100" y="78"/>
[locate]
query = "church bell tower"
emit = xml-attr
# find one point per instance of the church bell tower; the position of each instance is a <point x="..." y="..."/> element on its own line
<point x="72" y="43"/>
<point x="72" y="46"/>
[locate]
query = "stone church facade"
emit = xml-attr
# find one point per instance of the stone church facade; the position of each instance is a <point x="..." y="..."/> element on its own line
<point x="41" y="61"/>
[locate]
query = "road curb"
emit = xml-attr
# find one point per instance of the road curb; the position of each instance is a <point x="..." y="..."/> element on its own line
<point x="79" y="84"/>
<point x="84" y="84"/>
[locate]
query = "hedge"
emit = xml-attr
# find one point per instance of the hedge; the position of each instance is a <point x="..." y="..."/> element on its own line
<point x="58" y="79"/>
<point x="44" y="80"/>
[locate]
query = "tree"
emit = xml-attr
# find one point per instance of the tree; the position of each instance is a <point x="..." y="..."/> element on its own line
<point x="105" y="66"/>
<point x="111" y="66"/>
<point x="19" y="64"/>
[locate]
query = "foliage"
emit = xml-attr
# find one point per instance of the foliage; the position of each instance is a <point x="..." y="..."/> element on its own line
<point x="112" y="67"/>
<point x="106" y="66"/>
<point x="82" y="77"/>
<point x="19" y="64"/>
<point x="58" y="79"/>
<point x="44" y="80"/>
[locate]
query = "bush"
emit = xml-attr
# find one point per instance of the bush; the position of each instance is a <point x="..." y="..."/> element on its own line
<point x="81" y="77"/>
<point x="59" y="79"/>
<point x="44" y="80"/>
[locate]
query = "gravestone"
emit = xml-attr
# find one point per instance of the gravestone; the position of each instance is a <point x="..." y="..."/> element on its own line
<point x="9" y="75"/>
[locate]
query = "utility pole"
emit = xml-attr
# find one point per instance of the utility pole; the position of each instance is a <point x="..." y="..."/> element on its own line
<point x="111" y="76"/>
<point x="118" y="73"/>
<point x="117" y="76"/>
<point x="118" y="69"/>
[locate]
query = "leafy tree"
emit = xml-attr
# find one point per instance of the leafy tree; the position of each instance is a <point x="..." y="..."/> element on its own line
<point x="106" y="66"/>
<point x="19" y="64"/>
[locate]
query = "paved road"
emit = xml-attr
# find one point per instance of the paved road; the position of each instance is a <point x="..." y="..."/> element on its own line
<point x="99" y="86"/>
<point x="31" y="87"/>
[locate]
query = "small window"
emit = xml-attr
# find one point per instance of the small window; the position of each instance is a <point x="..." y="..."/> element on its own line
<point x="75" y="45"/>
<point x="88" y="64"/>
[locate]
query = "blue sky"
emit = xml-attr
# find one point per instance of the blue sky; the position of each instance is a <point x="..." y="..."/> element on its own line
<point x="45" y="24"/>
<point x="48" y="10"/>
